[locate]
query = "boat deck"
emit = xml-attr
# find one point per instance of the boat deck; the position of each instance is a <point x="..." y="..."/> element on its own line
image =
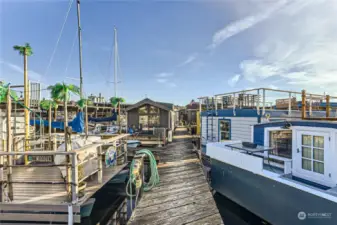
<point x="40" y="191"/>
<point x="183" y="195"/>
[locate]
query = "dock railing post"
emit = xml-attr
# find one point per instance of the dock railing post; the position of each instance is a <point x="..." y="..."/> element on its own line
<point x="9" y="145"/>
<point x="258" y="102"/>
<point x="327" y="108"/>
<point x="289" y="105"/>
<point x="100" y="164"/>
<point x="304" y="104"/>
<point x="74" y="178"/>
<point x="263" y="101"/>
<point x="125" y="152"/>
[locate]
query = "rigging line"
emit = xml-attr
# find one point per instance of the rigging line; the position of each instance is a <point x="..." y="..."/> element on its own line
<point x="70" y="54"/>
<point x="59" y="37"/>
<point x="110" y="61"/>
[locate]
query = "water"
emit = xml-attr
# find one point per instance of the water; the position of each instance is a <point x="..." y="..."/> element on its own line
<point x="234" y="214"/>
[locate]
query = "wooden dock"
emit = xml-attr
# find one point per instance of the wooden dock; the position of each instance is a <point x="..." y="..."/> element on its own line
<point x="183" y="195"/>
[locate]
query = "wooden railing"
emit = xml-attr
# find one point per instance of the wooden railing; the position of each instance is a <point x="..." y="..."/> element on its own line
<point x="75" y="159"/>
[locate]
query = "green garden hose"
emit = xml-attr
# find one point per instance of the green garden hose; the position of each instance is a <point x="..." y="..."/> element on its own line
<point x="134" y="177"/>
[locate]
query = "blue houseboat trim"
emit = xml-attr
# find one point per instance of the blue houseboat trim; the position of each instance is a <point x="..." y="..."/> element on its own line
<point x="260" y="128"/>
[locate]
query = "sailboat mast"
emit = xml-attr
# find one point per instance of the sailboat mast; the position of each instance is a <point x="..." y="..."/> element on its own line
<point x="80" y="46"/>
<point x="115" y="58"/>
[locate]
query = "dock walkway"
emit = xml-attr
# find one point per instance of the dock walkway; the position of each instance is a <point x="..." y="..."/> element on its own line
<point x="183" y="195"/>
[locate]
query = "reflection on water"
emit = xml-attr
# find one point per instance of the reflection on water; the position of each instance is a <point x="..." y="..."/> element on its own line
<point x="233" y="214"/>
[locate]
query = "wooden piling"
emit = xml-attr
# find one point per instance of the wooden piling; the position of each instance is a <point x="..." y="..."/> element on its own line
<point x="327" y="108"/>
<point x="304" y="104"/>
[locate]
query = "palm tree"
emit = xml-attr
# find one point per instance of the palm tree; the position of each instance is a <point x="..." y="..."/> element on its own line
<point x="48" y="105"/>
<point x="60" y="92"/>
<point x="25" y="50"/>
<point x="116" y="101"/>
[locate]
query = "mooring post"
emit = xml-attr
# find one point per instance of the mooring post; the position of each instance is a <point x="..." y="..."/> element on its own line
<point x="74" y="178"/>
<point x="100" y="164"/>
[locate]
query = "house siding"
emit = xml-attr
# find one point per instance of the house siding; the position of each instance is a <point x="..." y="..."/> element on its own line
<point x="133" y="117"/>
<point x="240" y="128"/>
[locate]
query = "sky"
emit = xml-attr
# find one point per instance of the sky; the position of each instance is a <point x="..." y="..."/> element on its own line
<point x="174" y="51"/>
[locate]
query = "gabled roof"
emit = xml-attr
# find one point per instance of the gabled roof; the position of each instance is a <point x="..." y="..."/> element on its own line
<point x="164" y="106"/>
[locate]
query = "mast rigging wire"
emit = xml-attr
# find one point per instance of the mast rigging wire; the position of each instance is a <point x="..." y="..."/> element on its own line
<point x="59" y="37"/>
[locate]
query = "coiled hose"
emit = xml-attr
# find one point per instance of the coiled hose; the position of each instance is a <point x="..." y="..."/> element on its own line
<point x="136" y="179"/>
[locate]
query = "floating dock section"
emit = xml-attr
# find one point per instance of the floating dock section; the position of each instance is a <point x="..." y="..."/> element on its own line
<point x="183" y="195"/>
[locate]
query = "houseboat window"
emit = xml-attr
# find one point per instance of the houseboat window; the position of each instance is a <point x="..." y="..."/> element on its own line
<point x="154" y="110"/>
<point x="143" y="121"/>
<point x="142" y="110"/>
<point x="313" y="153"/>
<point x="154" y="121"/>
<point x="281" y="141"/>
<point x="224" y="130"/>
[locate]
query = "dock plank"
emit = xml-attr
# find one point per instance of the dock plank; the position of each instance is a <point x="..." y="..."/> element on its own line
<point x="183" y="195"/>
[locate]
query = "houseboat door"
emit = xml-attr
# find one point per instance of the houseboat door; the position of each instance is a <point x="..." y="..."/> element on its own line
<point x="311" y="156"/>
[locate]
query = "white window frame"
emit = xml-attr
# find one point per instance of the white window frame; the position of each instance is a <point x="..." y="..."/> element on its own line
<point x="267" y="137"/>
<point x="330" y="167"/>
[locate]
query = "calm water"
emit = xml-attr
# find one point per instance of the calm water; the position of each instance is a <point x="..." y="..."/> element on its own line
<point x="233" y="214"/>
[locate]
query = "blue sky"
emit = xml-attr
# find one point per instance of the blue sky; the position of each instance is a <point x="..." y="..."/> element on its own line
<point x="176" y="51"/>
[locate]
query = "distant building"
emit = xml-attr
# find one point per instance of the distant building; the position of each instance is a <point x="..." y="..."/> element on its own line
<point x="147" y="114"/>
<point x="97" y="99"/>
<point x="188" y="115"/>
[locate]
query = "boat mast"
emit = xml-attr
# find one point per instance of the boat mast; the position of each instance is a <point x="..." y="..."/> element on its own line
<point x="115" y="58"/>
<point x="80" y="46"/>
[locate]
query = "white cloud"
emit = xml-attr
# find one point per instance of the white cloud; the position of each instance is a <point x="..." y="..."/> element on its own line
<point x="164" y="74"/>
<point x="172" y="84"/>
<point x="166" y="82"/>
<point x="161" y="80"/>
<point x="189" y="60"/>
<point x="232" y="81"/>
<point x="272" y="86"/>
<point x="241" y="25"/>
<point x="297" y="45"/>
<point x="31" y="74"/>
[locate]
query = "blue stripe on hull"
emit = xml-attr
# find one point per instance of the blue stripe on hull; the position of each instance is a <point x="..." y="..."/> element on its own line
<point x="275" y="202"/>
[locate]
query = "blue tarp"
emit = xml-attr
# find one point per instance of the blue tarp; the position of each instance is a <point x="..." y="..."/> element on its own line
<point x="104" y="119"/>
<point x="77" y="124"/>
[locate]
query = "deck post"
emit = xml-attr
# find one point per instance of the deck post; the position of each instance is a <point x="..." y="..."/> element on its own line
<point x="234" y="104"/>
<point x="263" y="101"/>
<point x="9" y="145"/>
<point x="289" y="105"/>
<point x="304" y="104"/>
<point x="125" y="152"/>
<point x="74" y="178"/>
<point x="258" y="102"/>
<point x="327" y="107"/>
<point x="70" y="215"/>
<point x="310" y="105"/>
<point x="100" y="164"/>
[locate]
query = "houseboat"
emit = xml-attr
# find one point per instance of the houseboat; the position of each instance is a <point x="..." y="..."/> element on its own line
<point x="283" y="171"/>
<point x="230" y="116"/>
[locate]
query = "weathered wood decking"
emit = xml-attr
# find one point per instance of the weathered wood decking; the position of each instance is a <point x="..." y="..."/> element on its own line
<point x="183" y="195"/>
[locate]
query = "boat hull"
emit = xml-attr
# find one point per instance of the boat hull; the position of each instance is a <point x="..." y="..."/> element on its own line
<point x="87" y="207"/>
<point x="275" y="202"/>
